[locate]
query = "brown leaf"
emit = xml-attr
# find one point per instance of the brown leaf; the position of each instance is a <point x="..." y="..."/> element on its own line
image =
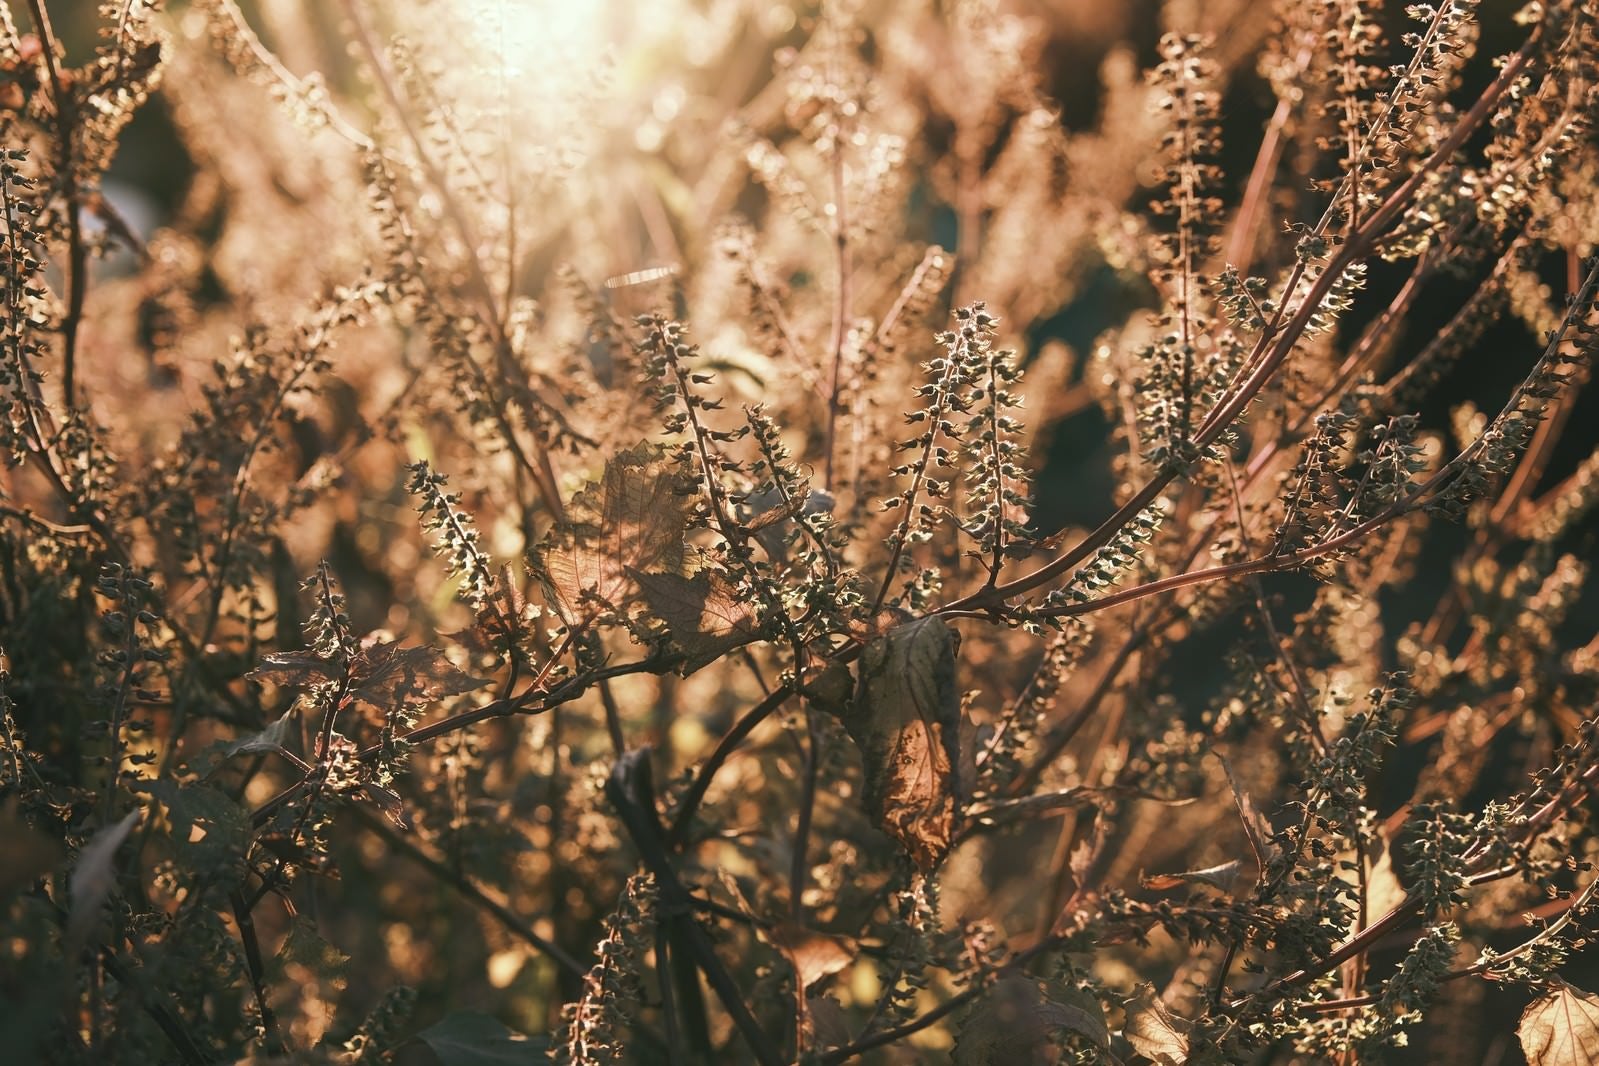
<point x="813" y="955"/>
<point x="632" y="520"/>
<point x="906" y="720"/>
<point x="826" y="1024"/>
<point x="1155" y="1032"/>
<point x="296" y="669"/>
<point x="705" y="616"/>
<point x="1562" y="1028"/>
<point x="1218" y="877"/>
<point x="1013" y="1022"/>
<point x="1256" y="827"/>
<point x="386" y="675"/>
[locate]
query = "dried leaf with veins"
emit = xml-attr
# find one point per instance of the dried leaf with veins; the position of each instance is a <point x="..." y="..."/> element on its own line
<point x="905" y="718"/>
<point x="1154" y="1031"/>
<point x="632" y="521"/>
<point x="1562" y="1028"/>
<point x="705" y="616"/>
<point x="1014" y="1021"/>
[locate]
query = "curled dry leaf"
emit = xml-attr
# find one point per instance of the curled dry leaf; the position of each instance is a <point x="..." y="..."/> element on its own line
<point x="1562" y="1028"/>
<point x="1220" y="877"/>
<point x="905" y="718"/>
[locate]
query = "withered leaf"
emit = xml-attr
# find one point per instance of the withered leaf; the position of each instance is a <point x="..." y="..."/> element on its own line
<point x="705" y="616"/>
<point x="813" y="955"/>
<point x="296" y="669"/>
<point x="1155" y="1032"/>
<point x="386" y="675"/>
<point x="1562" y="1028"/>
<point x="1219" y="877"/>
<point x="906" y="720"/>
<point x="826" y="1024"/>
<point x="1013" y="1023"/>
<point x="632" y="520"/>
<point x="1256" y="827"/>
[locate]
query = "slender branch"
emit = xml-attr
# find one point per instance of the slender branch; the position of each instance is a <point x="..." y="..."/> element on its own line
<point x="1274" y="345"/>
<point x="508" y="919"/>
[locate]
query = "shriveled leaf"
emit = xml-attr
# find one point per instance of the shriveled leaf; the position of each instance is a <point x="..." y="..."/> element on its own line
<point x="1220" y="877"/>
<point x="1562" y="1028"/>
<point x="95" y="875"/>
<point x="826" y="1024"/>
<point x="272" y="738"/>
<point x="1155" y="1032"/>
<point x="296" y="669"/>
<point x="390" y="803"/>
<point x="468" y="1038"/>
<point x="906" y="720"/>
<point x="814" y="955"/>
<point x="1013" y="1024"/>
<point x="1256" y="827"/>
<point x="386" y="675"/>
<point x="633" y="520"/>
<point x="704" y="615"/>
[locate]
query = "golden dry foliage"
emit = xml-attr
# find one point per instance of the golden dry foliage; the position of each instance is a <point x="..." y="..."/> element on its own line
<point x="729" y="531"/>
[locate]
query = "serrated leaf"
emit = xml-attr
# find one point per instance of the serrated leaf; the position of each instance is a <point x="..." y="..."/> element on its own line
<point x="1014" y="1021"/>
<point x="468" y="1038"/>
<point x="389" y="801"/>
<point x="210" y="825"/>
<point x="386" y="675"/>
<point x="905" y="718"/>
<point x="1219" y="877"/>
<point x="1155" y="1032"/>
<point x="705" y="616"/>
<point x="632" y="520"/>
<point x="1562" y="1028"/>
<point x="296" y="669"/>
<point x="305" y="947"/>
<point x="94" y="875"/>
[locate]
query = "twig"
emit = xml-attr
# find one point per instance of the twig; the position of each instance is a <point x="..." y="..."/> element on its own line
<point x="507" y="918"/>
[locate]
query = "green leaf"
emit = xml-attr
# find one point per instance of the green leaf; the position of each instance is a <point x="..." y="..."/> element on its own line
<point x="705" y="616"/>
<point x="1155" y="1032"/>
<point x="467" y="1038"/>
<point x="1562" y="1028"/>
<point x="633" y="520"/>
<point x="906" y="720"/>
